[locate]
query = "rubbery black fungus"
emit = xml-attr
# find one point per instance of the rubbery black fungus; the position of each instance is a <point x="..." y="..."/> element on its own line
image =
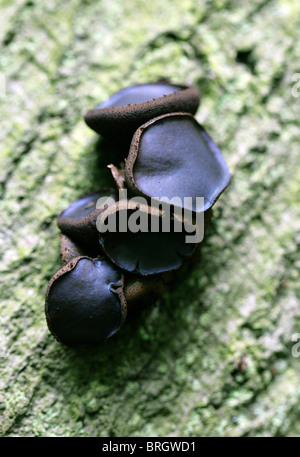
<point x="136" y="288"/>
<point x="170" y="156"/>
<point x="85" y="302"/>
<point x="82" y="207"/>
<point x="78" y="221"/>
<point x="144" y="252"/>
<point x="173" y="155"/>
<point x="127" y="109"/>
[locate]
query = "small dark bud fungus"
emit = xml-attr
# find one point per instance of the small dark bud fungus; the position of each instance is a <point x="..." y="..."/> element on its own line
<point x="127" y="109"/>
<point x="87" y="299"/>
<point x="85" y="302"/>
<point x="78" y="221"/>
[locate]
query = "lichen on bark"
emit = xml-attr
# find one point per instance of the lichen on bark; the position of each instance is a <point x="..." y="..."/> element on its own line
<point x="213" y="355"/>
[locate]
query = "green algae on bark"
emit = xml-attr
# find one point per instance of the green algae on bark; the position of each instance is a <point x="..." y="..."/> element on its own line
<point x="215" y="361"/>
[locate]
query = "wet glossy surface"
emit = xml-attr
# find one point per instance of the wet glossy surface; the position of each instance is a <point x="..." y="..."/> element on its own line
<point x="139" y="94"/>
<point x="85" y="205"/>
<point x="147" y="252"/>
<point x="81" y="307"/>
<point x="177" y="157"/>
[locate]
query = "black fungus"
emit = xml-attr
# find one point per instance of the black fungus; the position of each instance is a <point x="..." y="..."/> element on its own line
<point x="106" y="269"/>
<point x="173" y="155"/>
<point x="127" y="109"/>
<point x="79" y="220"/>
<point x="144" y="252"/>
<point x="85" y="302"/>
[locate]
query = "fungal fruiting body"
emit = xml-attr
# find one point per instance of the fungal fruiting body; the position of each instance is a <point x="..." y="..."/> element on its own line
<point x="139" y="94"/>
<point x="168" y="149"/>
<point x="85" y="302"/>
<point x="172" y="162"/>
<point x="150" y="248"/>
<point x="79" y="220"/>
<point x="87" y="299"/>
<point x="131" y="107"/>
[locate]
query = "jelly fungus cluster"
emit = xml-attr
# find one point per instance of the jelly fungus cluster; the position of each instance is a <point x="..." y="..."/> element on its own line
<point x="168" y="154"/>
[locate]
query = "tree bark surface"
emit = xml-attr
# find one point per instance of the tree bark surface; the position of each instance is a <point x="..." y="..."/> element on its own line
<point x="213" y="356"/>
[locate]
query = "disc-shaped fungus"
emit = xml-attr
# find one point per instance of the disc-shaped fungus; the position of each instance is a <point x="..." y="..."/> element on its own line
<point x="138" y="228"/>
<point x="143" y="240"/>
<point x="127" y="109"/>
<point x="173" y="156"/>
<point x="79" y="220"/>
<point x="85" y="302"/>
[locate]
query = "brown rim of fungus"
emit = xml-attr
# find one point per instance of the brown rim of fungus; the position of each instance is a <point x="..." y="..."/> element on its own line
<point x="68" y="250"/>
<point x="83" y="229"/>
<point x="134" y="150"/>
<point x="126" y="119"/>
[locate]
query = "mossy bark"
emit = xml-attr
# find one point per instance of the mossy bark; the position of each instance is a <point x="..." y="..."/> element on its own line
<point x="213" y="355"/>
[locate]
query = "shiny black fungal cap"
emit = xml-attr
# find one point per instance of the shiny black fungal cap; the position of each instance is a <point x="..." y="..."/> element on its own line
<point x="82" y="207"/>
<point x="85" y="302"/>
<point x="144" y="252"/>
<point x="78" y="221"/>
<point x="127" y="109"/>
<point x="173" y="155"/>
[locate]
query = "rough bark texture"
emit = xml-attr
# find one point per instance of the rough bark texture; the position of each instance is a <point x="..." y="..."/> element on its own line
<point x="213" y="355"/>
